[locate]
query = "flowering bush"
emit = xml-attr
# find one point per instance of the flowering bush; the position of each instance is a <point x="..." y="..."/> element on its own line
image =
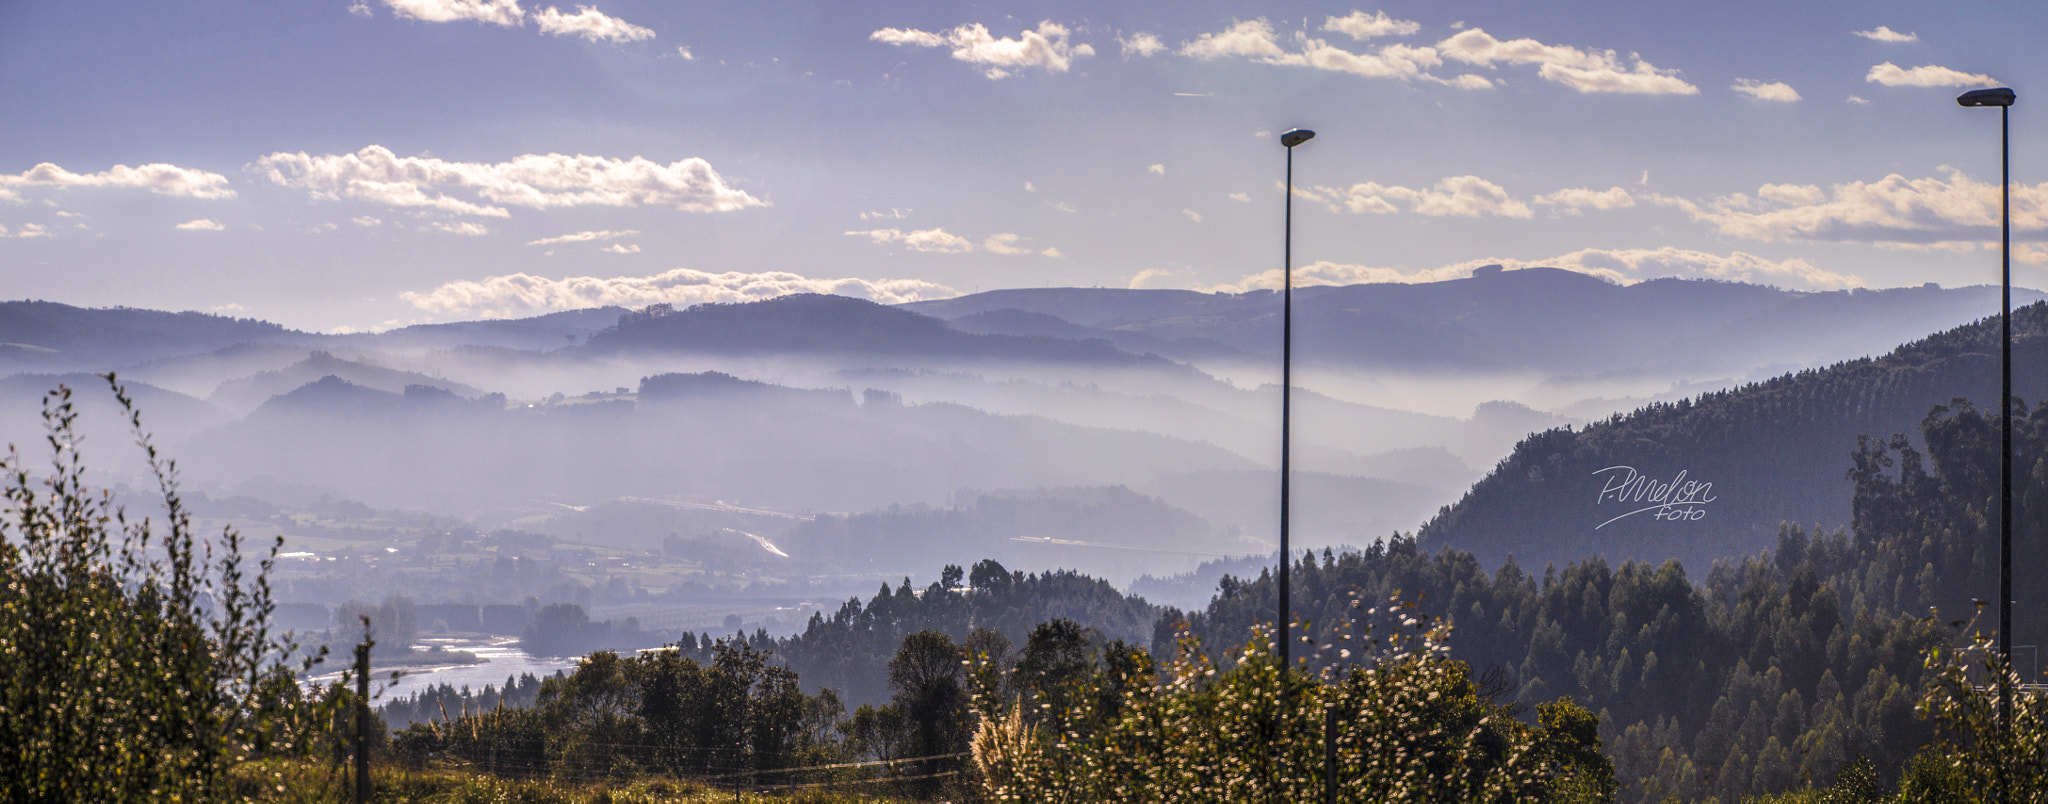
<point x="1409" y="725"/>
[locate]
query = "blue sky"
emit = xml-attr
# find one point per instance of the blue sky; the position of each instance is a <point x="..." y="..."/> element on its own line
<point x="372" y="163"/>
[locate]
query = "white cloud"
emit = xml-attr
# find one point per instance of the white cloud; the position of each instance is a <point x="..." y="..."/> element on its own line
<point x="1142" y="45"/>
<point x="365" y="220"/>
<point x="1139" y="279"/>
<point x="1157" y="170"/>
<point x="1584" y="70"/>
<point x="1464" y="196"/>
<point x="1256" y="40"/>
<point x="935" y="240"/>
<point x="1029" y="188"/>
<point x="1192" y="215"/>
<point x="1774" y="91"/>
<point x="1358" y="25"/>
<point x="1891" y="210"/>
<point x="684" y="51"/>
<point x="584" y="237"/>
<point x="1046" y="48"/>
<point x="1857" y="101"/>
<point x="893" y="214"/>
<point x="592" y="25"/>
<point x="1052" y="252"/>
<point x="519" y="295"/>
<point x="907" y="36"/>
<point x="1245" y="197"/>
<point x="1004" y="243"/>
<point x="1062" y="206"/>
<point x="1621" y="266"/>
<point x="622" y="248"/>
<point x="538" y="181"/>
<point x="230" y="307"/>
<point x="1883" y="34"/>
<point x="1930" y="75"/>
<point x="1572" y="200"/>
<point x="201" y="225"/>
<point x="1252" y="39"/>
<point x="495" y="12"/>
<point x="465" y="228"/>
<point x="157" y="178"/>
<point x="360" y="8"/>
<point x="28" y="230"/>
<point x="1791" y="193"/>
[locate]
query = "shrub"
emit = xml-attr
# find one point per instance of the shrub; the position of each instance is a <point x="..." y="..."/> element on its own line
<point x="140" y="664"/>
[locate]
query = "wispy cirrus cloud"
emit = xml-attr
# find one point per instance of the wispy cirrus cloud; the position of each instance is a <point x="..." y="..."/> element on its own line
<point x="1461" y="196"/>
<point x="1954" y="211"/>
<point x="592" y="25"/>
<point x="932" y="240"/>
<point x="201" y="225"/>
<point x="1777" y="91"/>
<point x="583" y="237"/>
<point x="1007" y="243"/>
<point x="537" y="181"/>
<point x="518" y="295"/>
<point x="27" y="230"/>
<point x="1257" y="41"/>
<point x="1621" y="266"/>
<point x="1883" y="34"/>
<point x="1047" y="47"/>
<point x="157" y="178"/>
<point x="1930" y="75"/>
<point x="1588" y="71"/>
<point x="464" y="228"/>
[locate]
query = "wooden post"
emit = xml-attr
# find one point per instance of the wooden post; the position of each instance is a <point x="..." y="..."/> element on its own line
<point x="1329" y="755"/>
<point x="363" y="715"/>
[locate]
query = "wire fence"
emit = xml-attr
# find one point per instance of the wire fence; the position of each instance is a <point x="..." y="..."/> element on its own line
<point x="723" y="767"/>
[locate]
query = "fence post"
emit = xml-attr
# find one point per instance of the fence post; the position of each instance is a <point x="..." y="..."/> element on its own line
<point x="363" y="715"/>
<point x="1329" y="755"/>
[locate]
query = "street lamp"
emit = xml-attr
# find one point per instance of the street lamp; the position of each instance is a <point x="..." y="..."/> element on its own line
<point x="2002" y="98"/>
<point x="1289" y="139"/>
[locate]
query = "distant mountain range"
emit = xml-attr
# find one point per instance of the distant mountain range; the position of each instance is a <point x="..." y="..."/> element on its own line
<point x="825" y="403"/>
<point x="1538" y="319"/>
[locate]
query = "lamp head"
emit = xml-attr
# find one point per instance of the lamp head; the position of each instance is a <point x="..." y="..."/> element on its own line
<point x="1986" y="97"/>
<point x="1298" y="136"/>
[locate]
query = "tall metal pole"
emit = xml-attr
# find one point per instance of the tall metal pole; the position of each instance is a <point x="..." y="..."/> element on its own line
<point x="1288" y="139"/>
<point x="2005" y="416"/>
<point x="1286" y="403"/>
<point x="2003" y="97"/>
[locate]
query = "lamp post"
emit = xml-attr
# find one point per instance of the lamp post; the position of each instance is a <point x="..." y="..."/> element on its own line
<point x="1289" y="139"/>
<point x="2003" y="98"/>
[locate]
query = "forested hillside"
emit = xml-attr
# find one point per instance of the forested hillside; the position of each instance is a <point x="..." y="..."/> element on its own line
<point x="1774" y="669"/>
<point x="1772" y="452"/>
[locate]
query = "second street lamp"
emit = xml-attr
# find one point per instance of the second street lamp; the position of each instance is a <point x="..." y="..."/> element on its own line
<point x="2002" y="98"/>
<point x="1289" y="139"/>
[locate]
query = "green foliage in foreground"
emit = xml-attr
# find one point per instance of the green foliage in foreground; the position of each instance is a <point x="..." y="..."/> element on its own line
<point x="139" y="665"/>
<point x="293" y="782"/>
<point x="1411" y="726"/>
